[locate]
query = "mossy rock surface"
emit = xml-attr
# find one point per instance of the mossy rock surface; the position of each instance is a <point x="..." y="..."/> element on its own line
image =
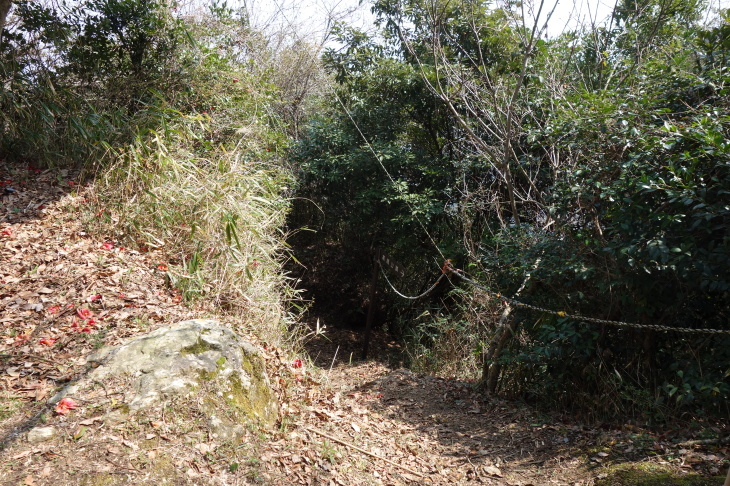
<point x="180" y="359"/>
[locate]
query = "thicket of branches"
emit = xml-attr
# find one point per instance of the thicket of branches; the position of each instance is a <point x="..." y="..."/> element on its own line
<point x="587" y="173"/>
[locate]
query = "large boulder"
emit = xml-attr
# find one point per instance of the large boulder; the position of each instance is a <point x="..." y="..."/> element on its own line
<point x="185" y="358"/>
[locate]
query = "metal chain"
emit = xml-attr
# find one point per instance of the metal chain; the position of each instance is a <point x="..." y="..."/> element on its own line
<point x="655" y="327"/>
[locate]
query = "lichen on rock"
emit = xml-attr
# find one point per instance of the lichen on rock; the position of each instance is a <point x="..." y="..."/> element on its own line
<point x="187" y="357"/>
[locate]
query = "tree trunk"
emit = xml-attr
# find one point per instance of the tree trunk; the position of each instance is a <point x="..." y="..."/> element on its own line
<point x="4" y="9"/>
<point x="371" y="305"/>
<point x="491" y="369"/>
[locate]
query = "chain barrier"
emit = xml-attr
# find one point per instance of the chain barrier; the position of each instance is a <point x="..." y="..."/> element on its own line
<point x="448" y="270"/>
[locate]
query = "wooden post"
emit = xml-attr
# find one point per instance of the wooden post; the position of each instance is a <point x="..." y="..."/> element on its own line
<point x="371" y="305"/>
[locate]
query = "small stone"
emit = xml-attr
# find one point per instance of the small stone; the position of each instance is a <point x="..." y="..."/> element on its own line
<point x="41" y="434"/>
<point x="224" y="431"/>
<point x="68" y="390"/>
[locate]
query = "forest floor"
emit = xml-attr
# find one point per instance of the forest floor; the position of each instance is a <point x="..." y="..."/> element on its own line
<point x="64" y="293"/>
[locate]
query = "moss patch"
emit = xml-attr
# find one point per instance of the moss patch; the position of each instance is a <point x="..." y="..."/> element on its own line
<point x="101" y="479"/>
<point x="159" y="472"/>
<point x="199" y="347"/>
<point x="8" y="407"/>
<point x="654" y="475"/>
<point x="252" y="401"/>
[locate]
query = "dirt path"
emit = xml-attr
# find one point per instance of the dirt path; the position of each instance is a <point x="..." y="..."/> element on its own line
<point x="438" y="431"/>
<point x="344" y="422"/>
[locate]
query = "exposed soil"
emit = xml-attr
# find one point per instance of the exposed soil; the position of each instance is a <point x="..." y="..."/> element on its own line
<point x="445" y="431"/>
<point x="64" y="293"/>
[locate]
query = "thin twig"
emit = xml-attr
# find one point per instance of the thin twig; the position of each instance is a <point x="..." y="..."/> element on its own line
<point x="129" y="468"/>
<point x="716" y="441"/>
<point x="333" y="361"/>
<point x="339" y="441"/>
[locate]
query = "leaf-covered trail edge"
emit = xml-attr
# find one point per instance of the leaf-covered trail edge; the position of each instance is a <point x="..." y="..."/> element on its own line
<point x="65" y="291"/>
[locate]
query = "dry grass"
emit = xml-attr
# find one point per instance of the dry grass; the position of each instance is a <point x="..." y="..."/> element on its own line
<point x="214" y="210"/>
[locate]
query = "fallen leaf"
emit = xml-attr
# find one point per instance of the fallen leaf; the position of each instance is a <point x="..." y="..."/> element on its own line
<point x="42" y="391"/>
<point x="21" y="455"/>
<point x="79" y="433"/>
<point x="29" y="481"/>
<point x="91" y="420"/>
<point x="355" y="427"/>
<point x="131" y="445"/>
<point x="493" y="471"/>
<point x="65" y="405"/>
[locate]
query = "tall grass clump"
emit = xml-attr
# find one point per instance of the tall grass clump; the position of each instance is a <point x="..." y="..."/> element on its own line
<point x="217" y="218"/>
<point x="208" y="186"/>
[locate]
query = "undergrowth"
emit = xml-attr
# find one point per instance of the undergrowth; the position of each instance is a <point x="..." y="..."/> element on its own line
<point x="183" y="131"/>
<point x="217" y="218"/>
<point x="209" y="188"/>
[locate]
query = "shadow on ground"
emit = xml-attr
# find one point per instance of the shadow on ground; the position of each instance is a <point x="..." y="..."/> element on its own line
<point x="26" y="190"/>
<point x="524" y="445"/>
